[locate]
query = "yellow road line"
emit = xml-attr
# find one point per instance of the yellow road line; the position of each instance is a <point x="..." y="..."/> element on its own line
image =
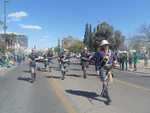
<point x="59" y="93"/>
<point x="132" y="85"/>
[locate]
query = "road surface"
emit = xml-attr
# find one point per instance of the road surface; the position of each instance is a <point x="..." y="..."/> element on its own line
<point x="18" y="95"/>
<point x="130" y="92"/>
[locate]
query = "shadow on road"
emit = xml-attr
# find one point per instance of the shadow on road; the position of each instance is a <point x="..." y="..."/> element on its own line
<point x="73" y="69"/>
<point x="86" y="94"/>
<point x="145" y="76"/>
<point x="92" y="74"/>
<point x="139" y="72"/>
<point x="41" y="69"/>
<point x="73" y="75"/>
<point x="27" y="79"/>
<point x="26" y="71"/>
<point x="55" y="77"/>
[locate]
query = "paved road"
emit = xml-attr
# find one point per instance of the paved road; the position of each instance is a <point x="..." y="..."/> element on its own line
<point x="139" y="79"/>
<point x="18" y="95"/>
<point x="130" y="92"/>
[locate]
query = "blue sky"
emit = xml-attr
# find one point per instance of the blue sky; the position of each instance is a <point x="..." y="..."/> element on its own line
<point x="44" y="21"/>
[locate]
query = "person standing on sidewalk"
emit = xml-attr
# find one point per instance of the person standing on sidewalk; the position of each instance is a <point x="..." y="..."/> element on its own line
<point x="126" y="60"/>
<point x="120" y="60"/>
<point x="130" y="60"/>
<point x="106" y="58"/>
<point x="123" y="61"/>
<point x="146" y="59"/>
<point x="135" y="60"/>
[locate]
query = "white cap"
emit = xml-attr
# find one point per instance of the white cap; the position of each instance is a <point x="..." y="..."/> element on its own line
<point x="104" y="42"/>
<point x="66" y="50"/>
<point x="85" y="48"/>
<point x="124" y="51"/>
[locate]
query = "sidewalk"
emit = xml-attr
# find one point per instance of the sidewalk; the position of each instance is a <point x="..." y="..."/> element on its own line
<point x="84" y="94"/>
<point x="140" y="68"/>
<point x="4" y="70"/>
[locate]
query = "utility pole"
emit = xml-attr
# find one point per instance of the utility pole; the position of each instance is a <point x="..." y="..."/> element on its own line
<point x="5" y="16"/>
<point x="58" y="46"/>
<point x="5" y="21"/>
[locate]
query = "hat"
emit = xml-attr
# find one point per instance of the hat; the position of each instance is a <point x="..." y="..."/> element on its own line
<point x="85" y="48"/>
<point x="66" y="50"/>
<point x="104" y="42"/>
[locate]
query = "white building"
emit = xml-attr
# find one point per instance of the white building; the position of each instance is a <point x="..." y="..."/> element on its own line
<point x="21" y="40"/>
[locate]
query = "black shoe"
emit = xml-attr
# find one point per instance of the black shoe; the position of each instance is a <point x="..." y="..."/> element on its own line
<point x="62" y="78"/>
<point x="108" y="102"/>
<point x="32" y="81"/>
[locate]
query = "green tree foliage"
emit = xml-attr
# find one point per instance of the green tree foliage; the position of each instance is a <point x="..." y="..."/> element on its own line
<point x="145" y="31"/>
<point x="117" y="40"/>
<point x="2" y="47"/>
<point x="57" y="49"/>
<point x="1" y="24"/>
<point x="72" y="44"/>
<point x="104" y="31"/>
<point x="77" y="47"/>
<point x="88" y="36"/>
<point x="141" y="39"/>
<point x="93" y="38"/>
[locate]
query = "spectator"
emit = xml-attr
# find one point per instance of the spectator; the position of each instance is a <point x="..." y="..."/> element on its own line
<point x="135" y="60"/>
<point x="130" y="60"/>
<point x="126" y="60"/>
<point x="146" y="59"/>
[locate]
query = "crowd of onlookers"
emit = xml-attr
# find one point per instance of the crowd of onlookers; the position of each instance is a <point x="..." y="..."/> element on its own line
<point x="129" y="60"/>
<point x="9" y="59"/>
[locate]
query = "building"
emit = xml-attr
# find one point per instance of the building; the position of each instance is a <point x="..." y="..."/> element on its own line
<point x="14" y="40"/>
<point x="22" y="40"/>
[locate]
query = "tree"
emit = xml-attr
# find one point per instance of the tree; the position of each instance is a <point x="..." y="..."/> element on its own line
<point x="117" y="40"/>
<point x="88" y="35"/>
<point x="56" y="49"/>
<point x="141" y="39"/>
<point x="93" y="38"/>
<point x="104" y="31"/>
<point x="1" y="25"/>
<point x="145" y="31"/>
<point x="72" y="44"/>
<point x="77" y="47"/>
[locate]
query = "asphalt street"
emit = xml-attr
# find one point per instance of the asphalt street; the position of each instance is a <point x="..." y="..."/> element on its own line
<point x="130" y="92"/>
<point x="140" y="79"/>
<point x="18" y="95"/>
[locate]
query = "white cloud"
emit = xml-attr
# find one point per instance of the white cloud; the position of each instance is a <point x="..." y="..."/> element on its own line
<point x="17" y="15"/>
<point x="31" y="27"/>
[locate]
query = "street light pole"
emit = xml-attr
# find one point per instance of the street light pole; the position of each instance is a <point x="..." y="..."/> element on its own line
<point x="5" y="22"/>
<point x="5" y="16"/>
